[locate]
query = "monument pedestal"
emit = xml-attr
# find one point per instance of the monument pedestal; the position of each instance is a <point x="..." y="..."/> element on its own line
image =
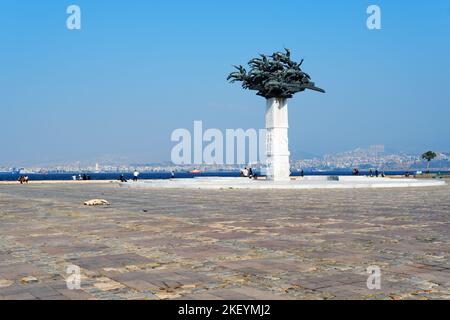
<point x="277" y="144"/>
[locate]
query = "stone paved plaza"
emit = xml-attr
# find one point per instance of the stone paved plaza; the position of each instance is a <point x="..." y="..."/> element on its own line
<point x="223" y="244"/>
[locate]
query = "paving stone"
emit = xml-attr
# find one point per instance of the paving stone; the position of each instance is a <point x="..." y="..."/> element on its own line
<point x="21" y="296"/>
<point x="105" y="261"/>
<point x="75" y="294"/>
<point x="15" y="271"/>
<point x="5" y="283"/>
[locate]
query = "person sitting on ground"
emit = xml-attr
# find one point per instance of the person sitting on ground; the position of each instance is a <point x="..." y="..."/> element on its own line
<point x="244" y="172"/>
<point x="122" y="178"/>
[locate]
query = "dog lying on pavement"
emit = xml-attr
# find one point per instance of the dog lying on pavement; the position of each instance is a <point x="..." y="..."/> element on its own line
<point x="97" y="202"/>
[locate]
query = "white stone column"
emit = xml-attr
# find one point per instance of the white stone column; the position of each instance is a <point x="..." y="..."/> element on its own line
<point x="277" y="145"/>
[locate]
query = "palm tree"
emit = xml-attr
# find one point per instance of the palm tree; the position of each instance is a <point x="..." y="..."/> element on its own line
<point x="428" y="156"/>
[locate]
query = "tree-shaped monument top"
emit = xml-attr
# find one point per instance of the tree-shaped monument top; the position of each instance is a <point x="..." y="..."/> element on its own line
<point x="275" y="76"/>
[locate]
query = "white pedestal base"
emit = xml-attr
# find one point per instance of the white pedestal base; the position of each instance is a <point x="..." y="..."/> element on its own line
<point x="317" y="182"/>
<point x="277" y="144"/>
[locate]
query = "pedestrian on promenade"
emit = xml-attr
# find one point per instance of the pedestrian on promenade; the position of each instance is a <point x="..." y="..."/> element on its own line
<point x="135" y="175"/>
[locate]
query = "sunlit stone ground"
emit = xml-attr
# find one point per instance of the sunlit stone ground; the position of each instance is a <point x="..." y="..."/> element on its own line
<point x="158" y="244"/>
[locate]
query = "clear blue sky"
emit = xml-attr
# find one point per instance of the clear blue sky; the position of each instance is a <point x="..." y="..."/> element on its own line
<point x="139" y="69"/>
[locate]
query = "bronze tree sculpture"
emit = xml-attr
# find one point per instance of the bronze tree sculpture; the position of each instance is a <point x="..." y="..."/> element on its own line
<point x="275" y="76"/>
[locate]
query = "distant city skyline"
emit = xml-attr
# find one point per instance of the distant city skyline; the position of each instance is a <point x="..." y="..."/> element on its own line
<point x="376" y="156"/>
<point x="138" y="70"/>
